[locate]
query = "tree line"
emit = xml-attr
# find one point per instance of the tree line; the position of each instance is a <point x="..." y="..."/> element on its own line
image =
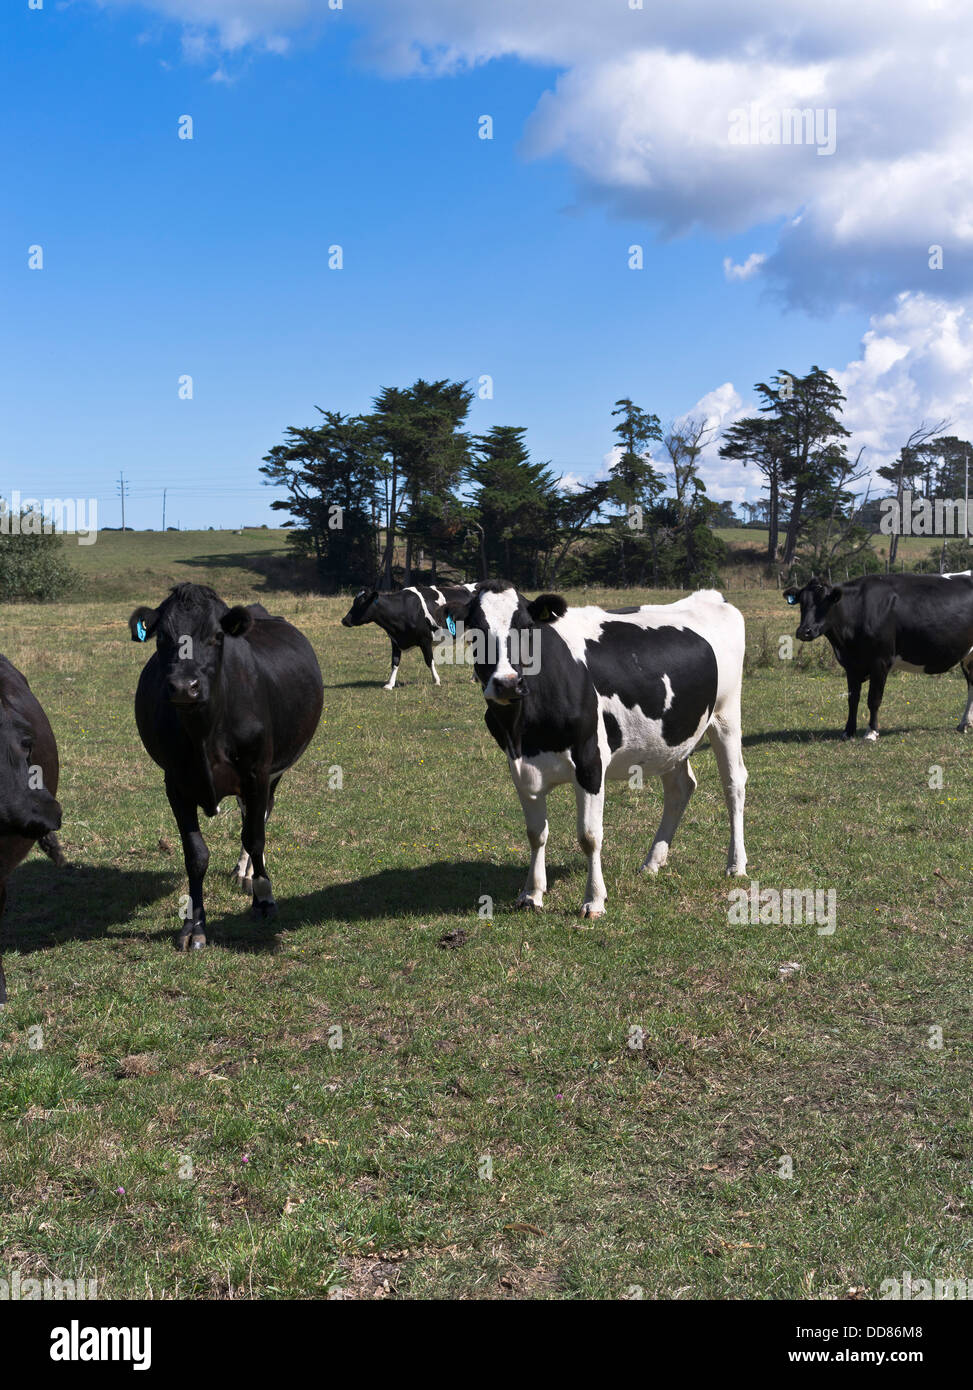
<point x="406" y="490"/>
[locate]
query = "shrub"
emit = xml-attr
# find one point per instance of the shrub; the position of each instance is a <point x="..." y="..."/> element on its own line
<point x="32" y="566"/>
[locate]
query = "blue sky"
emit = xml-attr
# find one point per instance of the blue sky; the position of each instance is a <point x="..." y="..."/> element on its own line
<point x="462" y="257"/>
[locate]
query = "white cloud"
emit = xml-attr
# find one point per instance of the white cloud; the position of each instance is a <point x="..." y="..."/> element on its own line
<point x="916" y="365"/>
<point x="746" y="270"/>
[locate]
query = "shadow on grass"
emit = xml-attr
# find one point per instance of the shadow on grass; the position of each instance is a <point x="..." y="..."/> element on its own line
<point x="279" y="572"/>
<point x="48" y="906"/>
<point x="429" y="890"/>
<point x="820" y="735"/>
<point x="80" y="902"/>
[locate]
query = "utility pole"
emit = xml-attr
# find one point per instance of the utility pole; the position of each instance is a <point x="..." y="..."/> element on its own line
<point x="122" y="488"/>
<point x="164" y="490"/>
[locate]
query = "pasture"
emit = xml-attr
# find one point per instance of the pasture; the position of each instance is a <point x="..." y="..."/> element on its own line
<point x="185" y="1126"/>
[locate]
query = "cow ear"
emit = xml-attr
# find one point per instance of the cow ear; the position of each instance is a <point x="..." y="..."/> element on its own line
<point x="142" y="623"/>
<point x="546" y="607"/>
<point x="237" y="621"/>
<point x="459" y="608"/>
<point x="834" y="595"/>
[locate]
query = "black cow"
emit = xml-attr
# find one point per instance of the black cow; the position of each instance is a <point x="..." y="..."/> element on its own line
<point x="581" y="695"/>
<point x="411" y="617"/>
<point x="889" y="622"/>
<point x="29" y="770"/>
<point x="227" y="703"/>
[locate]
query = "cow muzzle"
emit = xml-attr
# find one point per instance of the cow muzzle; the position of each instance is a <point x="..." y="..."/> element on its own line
<point x="503" y="690"/>
<point x="184" y="691"/>
<point x="39" y="817"/>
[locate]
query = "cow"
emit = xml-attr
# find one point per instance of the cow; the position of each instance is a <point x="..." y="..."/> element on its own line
<point x="229" y="700"/>
<point x="29" y="813"/>
<point x="585" y="695"/>
<point x="411" y="617"/>
<point x="889" y="622"/>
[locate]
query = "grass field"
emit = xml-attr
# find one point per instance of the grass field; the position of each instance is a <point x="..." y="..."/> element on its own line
<point x="188" y="1127"/>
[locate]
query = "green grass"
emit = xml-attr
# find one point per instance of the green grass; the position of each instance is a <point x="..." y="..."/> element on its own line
<point x="134" y="565"/>
<point x="316" y="1168"/>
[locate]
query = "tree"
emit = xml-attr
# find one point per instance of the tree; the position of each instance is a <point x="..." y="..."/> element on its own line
<point x="909" y="471"/>
<point x="757" y="440"/>
<point x="836" y="532"/>
<point x="418" y="433"/>
<point x="331" y="472"/>
<point x="795" y="448"/>
<point x="514" y="507"/>
<point x="635" y="483"/>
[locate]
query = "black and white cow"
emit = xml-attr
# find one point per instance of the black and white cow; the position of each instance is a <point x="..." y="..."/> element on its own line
<point x="411" y="617"/>
<point x="891" y="622"/>
<point x="29" y="814"/>
<point x="227" y="703"/>
<point x="584" y="695"/>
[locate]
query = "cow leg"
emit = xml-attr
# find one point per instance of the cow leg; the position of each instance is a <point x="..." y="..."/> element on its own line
<point x="3" y="978"/>
<point x="678" y="786"/>
<point x="854" y="695"/>
<point x="396" y="658"/>
<point x="591" y="807"/>
<point x="535" y="817"/>
<point x="967" y="721"/>
<point x="725" y="736"/>
<point x="244" y="865"/>
<point x="876" y="689"/>
<point x="256" y="809"/>
<point x="426" y="648"/>
<point x="196" y="855"/>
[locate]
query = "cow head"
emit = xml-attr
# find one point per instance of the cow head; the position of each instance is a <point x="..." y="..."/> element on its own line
<point x="358" y="612"/>
<point x="26" y="806"/>
<point x="502" y="627"/>
<point x="817" y="602"/>
<point x="190" y="628"/>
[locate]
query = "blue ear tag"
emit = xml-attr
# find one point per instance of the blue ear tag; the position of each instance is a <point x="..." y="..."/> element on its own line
<point x="791" y="599"/>
<point x="140" y="629"/>
<point x="451" y="624"/>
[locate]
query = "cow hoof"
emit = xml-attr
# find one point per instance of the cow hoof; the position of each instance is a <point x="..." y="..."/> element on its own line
<point x="246" y="886"/>
<point x="199" y="941"/>
<point x="651" y="869"/>
<point x="525" y="904"/>
<point x="872" y="736"/>
<point x="264" y="909"/>
<point x="589" y="910"/>
<point x="846" y="736"/>
<point x="963" y="728"/>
